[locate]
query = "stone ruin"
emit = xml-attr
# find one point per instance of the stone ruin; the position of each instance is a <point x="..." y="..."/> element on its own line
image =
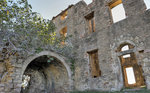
<point x="109" y="54"/>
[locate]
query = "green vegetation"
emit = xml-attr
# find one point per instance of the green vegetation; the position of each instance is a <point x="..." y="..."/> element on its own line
<point x="72" y="67"/>
<point x="23" y="28"/>
<point x="27" y="31"/>
<point x="136" y="91"/>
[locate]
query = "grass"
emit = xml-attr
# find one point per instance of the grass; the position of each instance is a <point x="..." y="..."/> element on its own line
<point x="137" y="91"/>
<point x="92" y="92"/>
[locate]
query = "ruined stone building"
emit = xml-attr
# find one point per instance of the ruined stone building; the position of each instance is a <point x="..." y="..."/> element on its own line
<point x="110" y="54"/>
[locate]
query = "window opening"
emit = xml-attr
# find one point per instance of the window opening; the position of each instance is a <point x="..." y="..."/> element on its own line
<point x="126" y="56"/>
<point x="117" y="10"/>
<point x="132" y="72"/>
<point x="130" y="75"/>
<point x="88" y="1"/>
<point x="91" y="21"/>
<point x="147" y="3"/>
<point x="64" y="15"/>
<point x="125" y="48"/>
<point x="94" y="64"/>
<point x="63" y="34"/>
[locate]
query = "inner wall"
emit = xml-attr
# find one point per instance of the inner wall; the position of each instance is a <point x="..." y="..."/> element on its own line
<point x="46" y="76"/>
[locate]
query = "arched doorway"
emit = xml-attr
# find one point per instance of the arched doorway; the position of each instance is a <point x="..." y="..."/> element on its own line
<point x="132" y="72"/>
<point x="45" y="72"/>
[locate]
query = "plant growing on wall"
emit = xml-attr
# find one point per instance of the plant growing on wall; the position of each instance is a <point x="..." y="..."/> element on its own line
<point x="26" y="30"/>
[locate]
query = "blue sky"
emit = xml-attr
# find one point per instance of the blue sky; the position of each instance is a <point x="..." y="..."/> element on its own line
<point x="50" y="8"/>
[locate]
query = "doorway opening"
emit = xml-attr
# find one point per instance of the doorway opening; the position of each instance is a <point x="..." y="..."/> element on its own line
<point x="45" y="74"/>
<point x="132" y="72"/>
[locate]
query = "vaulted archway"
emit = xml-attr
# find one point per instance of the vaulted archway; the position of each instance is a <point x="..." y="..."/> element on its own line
<point x="46" y="72"/>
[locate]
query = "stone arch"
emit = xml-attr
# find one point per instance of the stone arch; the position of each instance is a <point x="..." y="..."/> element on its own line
<point x="131" y="46"/>
<point x="60" y="58"/>
<point x="52" y="54"/>
<point x="124" y="42"/>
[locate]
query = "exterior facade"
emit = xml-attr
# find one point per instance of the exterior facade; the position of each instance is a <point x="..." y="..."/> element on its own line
<point x="99" y="40"/>
<point x="109" y="54"/>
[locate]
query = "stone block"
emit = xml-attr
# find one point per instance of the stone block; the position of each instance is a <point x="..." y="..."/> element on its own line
<point x="18" y="65"/>
<point x="2" y="85"/>
<point x="17" y="90"/>
<point x="2" y="88"/>
<point x="20" y="61"/>
<point x="147" y="64"/>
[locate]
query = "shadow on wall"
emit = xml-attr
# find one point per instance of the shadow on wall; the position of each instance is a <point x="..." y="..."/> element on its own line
<point x="45" y="75"/>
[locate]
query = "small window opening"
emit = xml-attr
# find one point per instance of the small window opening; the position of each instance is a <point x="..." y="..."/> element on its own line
<point x="91" y="22"/>
<point x="63" y="34"/>
<point x="147" y="2"/>
<point x="117" y="10"/>
<point x="88" y="1"/>
<point x="125" y="48"/>
<point x="130" y="75"/>
<point x="64" y="15"/>
<point x="127" y="56"/>
<point x="94" y="64"/>
<point x="63" y="31"/>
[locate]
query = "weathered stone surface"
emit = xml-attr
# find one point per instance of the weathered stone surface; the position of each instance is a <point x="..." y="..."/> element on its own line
<point x="64" y="75"/>
<point x="107" y="38"/>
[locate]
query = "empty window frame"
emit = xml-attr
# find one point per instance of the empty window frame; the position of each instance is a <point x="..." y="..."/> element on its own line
<point x="63" y="34"/>
<point x="88" y="1"/>
<point x="130" y="75"/>
<point x="94" y="64"/>
<point x="91" y="22"/>
<point x="147" y="2"/>
<point x="125" y="48"/>
<point x="64" y="15"/>
<point x="126" y="56"/>
<point x="117" y="10"/>
<point x="132" y="72"/>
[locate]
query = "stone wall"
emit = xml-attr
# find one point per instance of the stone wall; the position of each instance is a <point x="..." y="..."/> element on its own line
<point x="10" y="66"/>
<point x="107" y="38"/>
<point x="14" y="66"/>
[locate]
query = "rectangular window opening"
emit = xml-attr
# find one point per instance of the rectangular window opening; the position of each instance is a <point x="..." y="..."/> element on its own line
<point x="127" y="56"/>
<point x="147" y="3"/>
<point x="130" y="75"/>
<point x="94" y="64"/>
<point x="91" y="22"/>
<point x="64" y="15"/>
<point x="63" y="34"/>
<point x="117" y="10"/>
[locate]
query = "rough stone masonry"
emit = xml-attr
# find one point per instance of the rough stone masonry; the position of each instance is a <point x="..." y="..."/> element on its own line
<point x="108" y="55"/>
